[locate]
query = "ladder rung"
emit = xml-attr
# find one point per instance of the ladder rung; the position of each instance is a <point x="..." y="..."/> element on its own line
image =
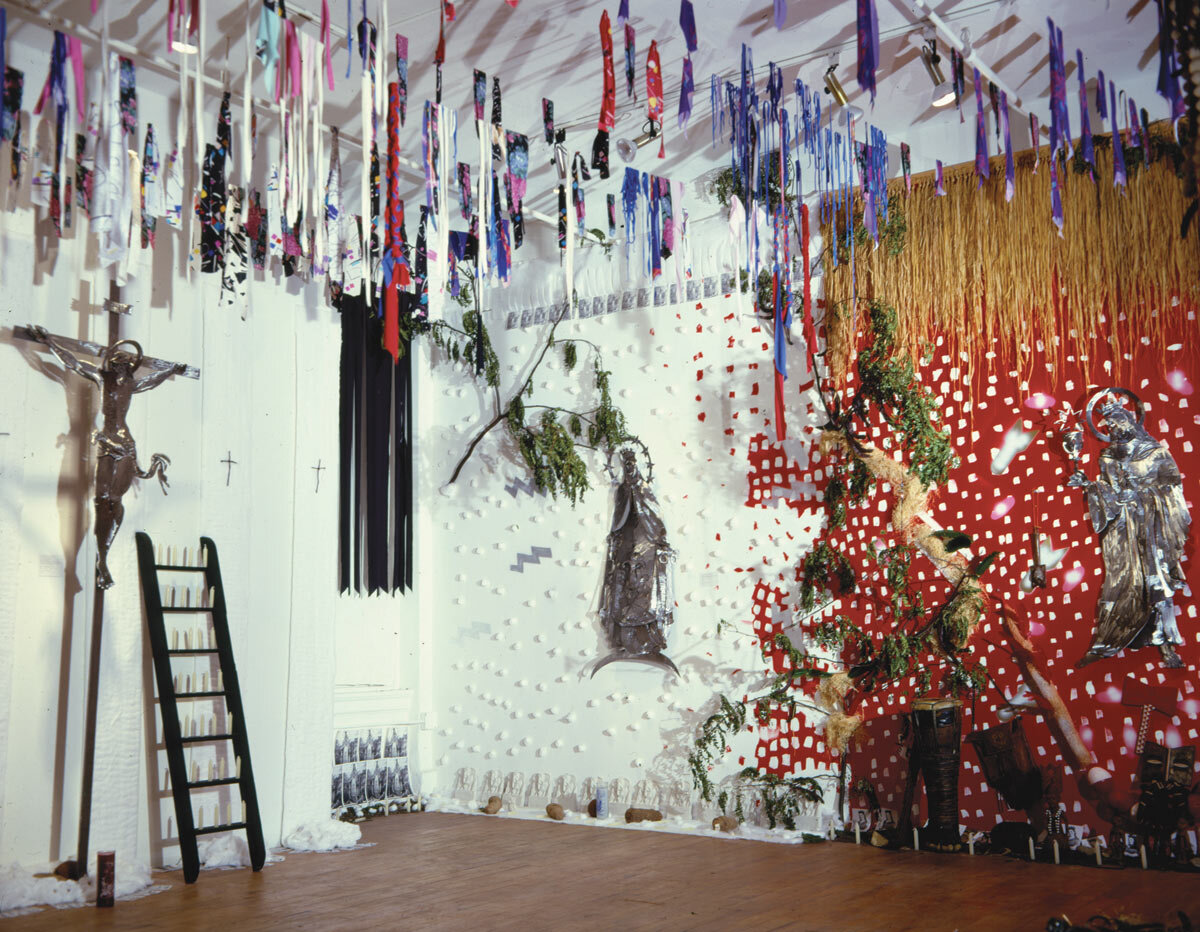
<point x="193" y="650"/>
<point x="180" y="567"/>
<point x="219" y="692"/>
<point x="210" y="829"/>
<point x="199" y="739"/>
<point x="186" y="608"/>
<point x="225" y="781"/>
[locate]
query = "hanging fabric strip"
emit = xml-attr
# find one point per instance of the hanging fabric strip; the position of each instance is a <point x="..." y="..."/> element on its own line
<point x="152" y="201"/>
<point x="327" y="42"/>
<point x="630" y="51"/>
<point x="654" y="93"/>
<point x="402" y="74"/>
<point x="686" y="88"/>
<point x="392" y="256"/>
<point x="868" y="46"/>
<point x="10" y="126"/>
<point x="716" y="112"/>
<point x="906" y="166"/>
<point x="1035" y="137"/>
<point x="1010" y="171"/>
<point x="629" y="196"/>
<point x="210" y="208"/>
<point x="547" y="120"/>
<point x="611" y="203"/>
<point x="1085" y="126"/>
<point x="1168" y="64"/>
<point x="622" y="12"/>
<point x="518" y="173"/>
<point x="810" y="331"/>
<point x="654" y="225"/>
<point x="687" y="23"/>
<point x="55" y="89"/>
<point x="266" y="44"/>
<point x="780" y="13"/>
<point x="1055" y="195"/>
<point x="497" y="129"/>
<point x="982" y="168"/>
<point x="480" y="94"/>
<point x="1135" y="132"/>
<point x="236" y="268"/>
<point x="939" y="187"/>
<point x="85" y="158"/>
<point x="579" y="173"/>
<point x="1060" y="120"/>
<point x="608" y="101"/>
<point x="464" y="190"/>
<point x="333" y="219"/>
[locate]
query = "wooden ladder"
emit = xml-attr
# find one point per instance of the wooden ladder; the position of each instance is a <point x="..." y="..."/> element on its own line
<point x="223" y="687"/>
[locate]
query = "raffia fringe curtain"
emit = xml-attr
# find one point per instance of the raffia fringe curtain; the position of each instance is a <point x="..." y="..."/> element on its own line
<point x="975" y="268"/>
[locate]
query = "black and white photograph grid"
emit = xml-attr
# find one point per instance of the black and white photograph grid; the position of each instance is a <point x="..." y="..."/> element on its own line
<point x="370" y="770"/>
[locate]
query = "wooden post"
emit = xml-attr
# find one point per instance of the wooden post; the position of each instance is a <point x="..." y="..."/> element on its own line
<point x="93" y="678"/>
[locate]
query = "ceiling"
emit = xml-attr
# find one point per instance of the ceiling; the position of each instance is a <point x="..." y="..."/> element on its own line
<point x="550" y="48"/>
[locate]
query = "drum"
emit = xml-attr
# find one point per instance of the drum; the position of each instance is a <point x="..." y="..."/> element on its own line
<point x="937" y="738"/>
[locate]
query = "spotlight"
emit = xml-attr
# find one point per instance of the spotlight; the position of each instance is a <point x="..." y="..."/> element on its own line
<point x="627" y="149"/>
<point x="943" y="90"/>
<point x="834" y="87"/>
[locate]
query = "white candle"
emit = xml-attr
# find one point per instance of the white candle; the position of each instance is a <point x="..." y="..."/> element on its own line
<point x="1096" y="843"/>
<point x="1032" y="853"/>
<point x="1056" y="851"/>
<point x="857" y="834"/>
<point x="971" y="844"/>
<point x="1142" y="852"/>
<point x="916" y="839"/>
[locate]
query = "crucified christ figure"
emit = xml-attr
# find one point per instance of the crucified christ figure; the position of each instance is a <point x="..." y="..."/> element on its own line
<point x="116" y="462"/>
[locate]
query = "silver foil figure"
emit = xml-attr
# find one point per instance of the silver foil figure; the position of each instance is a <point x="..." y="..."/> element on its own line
<point x="1138" y="509"/>
<point x="637" y="601"/>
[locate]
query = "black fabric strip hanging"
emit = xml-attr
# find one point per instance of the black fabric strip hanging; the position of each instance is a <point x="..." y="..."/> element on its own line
<point x="375" y="497"/>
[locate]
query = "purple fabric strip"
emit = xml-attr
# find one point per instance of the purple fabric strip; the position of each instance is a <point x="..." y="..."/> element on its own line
<point x="687" y="22"/>
<point x="780" y="13"/>
<point x="1117" y="145"/>
<point x="1101" y="96"/>
<point x="1035" y="136"/>
<point x="1085" y="125"/>
<point x="868" y="46"/>
<point x="686" y="88"/>
<point x="982" y="169"/>
<point x="1055" y="195"/>
<point x="1168" y="69"/>
<point x="939" y="188"/>
<point x="1010" y="170"/>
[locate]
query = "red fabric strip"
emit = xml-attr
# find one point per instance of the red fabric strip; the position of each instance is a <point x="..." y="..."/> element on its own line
<point x="608" y="107"/>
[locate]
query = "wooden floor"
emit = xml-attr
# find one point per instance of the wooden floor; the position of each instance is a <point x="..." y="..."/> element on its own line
<point x="442" y="871"/>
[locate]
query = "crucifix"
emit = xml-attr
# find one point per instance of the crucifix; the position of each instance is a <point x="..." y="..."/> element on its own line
<point x="229" y="462"/>
<point x="317" y="469"/>
<point x="115" y="374"/>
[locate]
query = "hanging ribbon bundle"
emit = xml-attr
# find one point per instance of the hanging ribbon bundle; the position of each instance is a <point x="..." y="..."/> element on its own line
<point x="548" y="121"/>
<point x="982" y="169"/>
<point x="868" y="46"/>
<point x="906" y="167"/>
<point x="629" y="199"/>
<point x="608" y="101"/>
<point x="654" y="93"/>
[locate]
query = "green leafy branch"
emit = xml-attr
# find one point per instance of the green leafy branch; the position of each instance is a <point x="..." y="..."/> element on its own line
<point x="550" y="440"/>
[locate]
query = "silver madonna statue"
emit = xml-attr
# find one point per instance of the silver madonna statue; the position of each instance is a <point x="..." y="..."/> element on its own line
<point x="637" y="601"/>
<point x="1138" y="509"/>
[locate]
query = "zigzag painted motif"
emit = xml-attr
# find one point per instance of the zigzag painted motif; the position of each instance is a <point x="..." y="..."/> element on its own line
<point x="535" y="558"/>
<point x="522" y="485"/>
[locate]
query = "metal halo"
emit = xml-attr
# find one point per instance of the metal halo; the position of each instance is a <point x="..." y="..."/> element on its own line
<point x="630" y="442"/>
<point x="111" y="350"/>
<point x="1091" y="425"/>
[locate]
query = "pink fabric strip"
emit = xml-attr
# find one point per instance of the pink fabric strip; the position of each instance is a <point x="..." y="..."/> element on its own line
<point x="327" y="39"/>
<point x="75" y="50"/>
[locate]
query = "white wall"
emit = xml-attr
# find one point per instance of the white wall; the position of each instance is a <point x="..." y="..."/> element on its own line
<point x="268" y="396"/>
